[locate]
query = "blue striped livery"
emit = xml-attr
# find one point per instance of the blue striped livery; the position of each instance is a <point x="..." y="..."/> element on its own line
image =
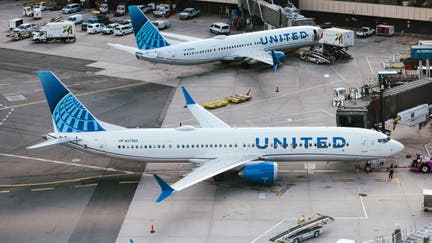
<point x="68" y="114"/>
<point x="146" y="35"/>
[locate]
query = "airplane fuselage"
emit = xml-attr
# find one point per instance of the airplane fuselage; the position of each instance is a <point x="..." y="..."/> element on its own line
<point x="276" y="144"/>
<point x="234" y="47"/>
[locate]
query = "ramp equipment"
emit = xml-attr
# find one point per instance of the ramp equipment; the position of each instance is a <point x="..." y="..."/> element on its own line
<point x="305" y="228"/>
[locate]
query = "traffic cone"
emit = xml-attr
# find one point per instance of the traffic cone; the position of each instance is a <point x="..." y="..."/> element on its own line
<point x="152" y="230"/>
<point x="277" y="88"/>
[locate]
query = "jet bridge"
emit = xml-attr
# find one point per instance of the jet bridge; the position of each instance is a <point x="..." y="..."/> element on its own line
<point x="274" y="15"/>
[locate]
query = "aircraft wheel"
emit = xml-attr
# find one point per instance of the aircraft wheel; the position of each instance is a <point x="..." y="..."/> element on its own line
<point x="424" y="169"/>
<point x="368" y="168"/>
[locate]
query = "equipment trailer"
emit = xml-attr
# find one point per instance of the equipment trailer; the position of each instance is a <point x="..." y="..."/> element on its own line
<point x="305" y="229"/>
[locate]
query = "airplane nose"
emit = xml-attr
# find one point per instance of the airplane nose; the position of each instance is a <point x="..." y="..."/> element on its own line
<point x="397" y="147"/>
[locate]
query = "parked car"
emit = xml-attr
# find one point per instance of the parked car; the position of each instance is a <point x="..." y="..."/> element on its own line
<point x="120" y="11"/>
<point x="27" y="11"/>
<point x="161" y="24"/>
<point x="99" y="18"/>
<point x="123" y="29"/>
<point x="21" y="32"/>
<point x="71" y="8"/>
<point x="144" y="8"/>
<point x="162" y="10"/>
<point x="103" y="8"/>
<point x="220" y="28"/>
<point x="365" y="32"/>
<point x="95" y="28"/>
<point x="188" y="13"/>
<point x="76" y="18"/>
<point x="109" y="29"/>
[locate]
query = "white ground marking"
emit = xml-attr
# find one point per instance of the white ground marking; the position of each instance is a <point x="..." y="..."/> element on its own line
<point x="370" y="67"/>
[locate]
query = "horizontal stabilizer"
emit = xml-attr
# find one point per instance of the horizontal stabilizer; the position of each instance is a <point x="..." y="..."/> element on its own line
<point x="52" y="142"/>
<point x="128" y="49"/>
<point x="167" y="190"/>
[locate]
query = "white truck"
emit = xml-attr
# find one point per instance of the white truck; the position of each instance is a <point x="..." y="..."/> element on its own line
<point x="13" y="23"/>
<point x="365" y="32"/>
<point x="55" y="31"/>
<point x="188" y="13"/>
<point x="21" y="32"/>
<point x="338" y="37"/>
<point x="37" y="13"/>
<point x="162" y="10"/>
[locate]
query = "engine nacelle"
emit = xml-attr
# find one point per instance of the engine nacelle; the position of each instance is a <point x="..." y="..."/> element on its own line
<point x="263" y="172"/>
<point x="280" y="56"/>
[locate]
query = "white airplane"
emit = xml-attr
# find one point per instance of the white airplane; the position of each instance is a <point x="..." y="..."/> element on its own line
<point x="262" y="46"/>
<point x="215" y="146"/>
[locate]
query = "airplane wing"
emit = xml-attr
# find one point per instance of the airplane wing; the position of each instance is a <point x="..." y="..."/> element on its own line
<point x="204" y="117"/>
<point x="264" y="57"/>
<point x="207" y="170"/>
<point x="178" y="37"/>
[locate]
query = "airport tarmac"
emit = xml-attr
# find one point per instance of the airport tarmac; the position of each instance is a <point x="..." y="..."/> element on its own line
<point x="57" y="194"/>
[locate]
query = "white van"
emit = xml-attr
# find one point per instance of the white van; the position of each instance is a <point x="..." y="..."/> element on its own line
<point x="220" y="28"/>
<point x="71" y="8"/>
<point x="123" y="29"/>
<point x="95" y="28"/>
<point x="76" y="18"/>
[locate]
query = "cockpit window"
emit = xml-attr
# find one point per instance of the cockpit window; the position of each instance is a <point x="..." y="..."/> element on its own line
<point x="383" y="140"/>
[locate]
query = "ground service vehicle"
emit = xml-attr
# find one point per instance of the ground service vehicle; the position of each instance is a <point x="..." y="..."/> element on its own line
<point x="28" y="11"/>
<point x="385" y="30"/>
<point x="71" y="8"/>
<point x="421" y="165"/>
<point x="95" y="28"/>
<point x="21" y="32"/>
<point x="37" y="13"/>
<point x="162" y="10"/>
<point x="220" y="28"/>
<point x="99" y="18"/>
<point x="76" y="18"/>
<point x="123" y="29"/>
<point x="188" y="13"/>
<point x="13" y="23"/>
<point x="120" y="11"/>
<point x="365" y="32"/>
<point x="55" y="31"/>
<point x="144" y="8"/>
<point x="103" y="8"/>
<point x="161" y="24"/>
<point x="109" y="29"/>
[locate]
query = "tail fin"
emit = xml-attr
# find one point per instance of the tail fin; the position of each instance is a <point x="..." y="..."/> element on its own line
<point x="147" y="36"/>
<point x="68" y="114"/>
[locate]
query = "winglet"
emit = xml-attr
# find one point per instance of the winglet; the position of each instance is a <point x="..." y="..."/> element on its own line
<point x="167" y="190"/>
<point x="188" y="98"/>
<point x="275" y="61"/>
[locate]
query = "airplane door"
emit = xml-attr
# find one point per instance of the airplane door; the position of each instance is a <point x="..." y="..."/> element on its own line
<point x="364" y="144"/>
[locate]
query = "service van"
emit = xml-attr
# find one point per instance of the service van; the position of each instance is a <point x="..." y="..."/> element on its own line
<point x="76" y="18"/>
<point x="95" y="28"/>
<point x="71" y="8"/>
<point x="123" y="29"/>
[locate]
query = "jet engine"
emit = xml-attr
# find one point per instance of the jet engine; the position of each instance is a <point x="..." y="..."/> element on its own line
<point x="263" y="172"/>
<point x="280" y="56"/>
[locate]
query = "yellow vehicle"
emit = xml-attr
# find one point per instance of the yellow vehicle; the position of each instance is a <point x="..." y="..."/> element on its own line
<point x="216" y="104"/>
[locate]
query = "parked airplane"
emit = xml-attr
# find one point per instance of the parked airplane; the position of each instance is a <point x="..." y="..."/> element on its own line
<point x="263" y="46"/>
<point x="216" y="146"/>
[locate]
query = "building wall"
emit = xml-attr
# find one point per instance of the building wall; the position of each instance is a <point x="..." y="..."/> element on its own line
<point x="367" y="9"/>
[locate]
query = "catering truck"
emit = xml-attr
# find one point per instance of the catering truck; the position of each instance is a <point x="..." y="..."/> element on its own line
<point x="55" y="31"/>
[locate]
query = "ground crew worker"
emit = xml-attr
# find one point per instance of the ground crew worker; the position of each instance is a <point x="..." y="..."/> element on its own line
<point x="391" y="171"/>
